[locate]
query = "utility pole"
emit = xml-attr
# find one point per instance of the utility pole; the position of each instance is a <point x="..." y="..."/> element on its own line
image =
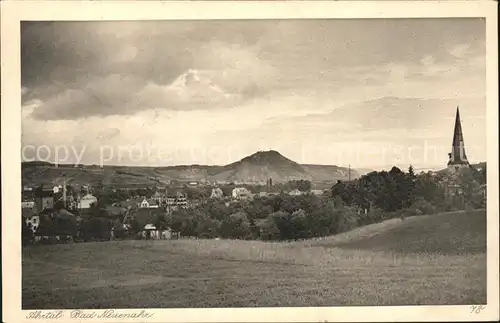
<point x="349" y="172"/>
<point x="64" y="193"/>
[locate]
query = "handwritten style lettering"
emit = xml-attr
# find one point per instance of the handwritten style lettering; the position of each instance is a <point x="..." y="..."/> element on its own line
<point x="51" y="315"/>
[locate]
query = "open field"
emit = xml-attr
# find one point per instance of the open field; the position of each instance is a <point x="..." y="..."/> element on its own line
<point x="438" y="259"/>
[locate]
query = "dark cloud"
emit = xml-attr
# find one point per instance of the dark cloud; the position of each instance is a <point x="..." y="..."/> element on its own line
<point x="80" y="69"/>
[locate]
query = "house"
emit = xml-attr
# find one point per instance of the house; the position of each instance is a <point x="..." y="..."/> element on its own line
<point x="145" y="216"/>
<point x="241" y="193"/>
<point x="154" y="203"/>
<point x="216" y="193"/>
<point x="44" y="198"/>
<point x="317" y="192"/>
<point x="147" y="220"/>
<point x="158" y="196"/>
<point x="295" y="192"/>
<point x="151" y="232"/>
<point x="181" y="199"/>
<point x="148" y="203"/>
<point x="27" y="195"/>
<point x="31" y="217"/>
<point x="58" y="224"/>
<point x="170" y="201"/>
<point x="176" y="201"/>
<point x="27" y="204"/>
<point x="86" y="201"/>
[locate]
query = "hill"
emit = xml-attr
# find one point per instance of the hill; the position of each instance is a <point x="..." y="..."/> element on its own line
<point x="256" y="168"/>
<point x="452" y="233"/>
<point x="263" y="165"/>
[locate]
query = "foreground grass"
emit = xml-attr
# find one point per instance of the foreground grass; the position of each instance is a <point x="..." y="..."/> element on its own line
<point x="421" y="260"/>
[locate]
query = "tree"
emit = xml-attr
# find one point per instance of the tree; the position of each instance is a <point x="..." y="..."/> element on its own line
<point x="346" y="218"/>
<point x="96" y="228"/>
<point x="300" y="225"/>
<point x="268" y="229"/>
<point x="207" y="228"/>
<point x="282" y="221"/>
<point x="304" y="185"/>
<point x="427" y="188"/>
<point x="468" y="179"/>
<point x="160" y="223"/>
<point x="58" y="205"/>
<point x="412" y="178"/>
<point x="411" y="172"/>
<point x="236" y="225"/>
<point x="301" y="185"/>
<point x="176" y="220"/>
<point x="134" y="226"/>
<point x="347" y="192"/>
<point x="216" y="209"/>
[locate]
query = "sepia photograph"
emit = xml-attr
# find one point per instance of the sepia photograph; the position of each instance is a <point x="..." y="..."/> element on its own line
<point x="252" y="163"/>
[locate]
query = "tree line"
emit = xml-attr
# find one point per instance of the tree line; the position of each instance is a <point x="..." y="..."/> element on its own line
<point x="371" y="198"/>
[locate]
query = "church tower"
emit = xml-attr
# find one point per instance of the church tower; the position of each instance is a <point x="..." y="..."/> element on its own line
<point x="458" y="158"/>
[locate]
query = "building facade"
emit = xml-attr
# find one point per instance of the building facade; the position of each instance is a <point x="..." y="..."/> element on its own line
<point x="216" y="193"/>
<point x="241" y="193"/>
<point x="44" y="198"/>
<point x="86" y="201"/>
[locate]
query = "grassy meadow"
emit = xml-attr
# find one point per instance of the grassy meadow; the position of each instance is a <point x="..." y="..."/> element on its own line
<point x="425" y="260"/>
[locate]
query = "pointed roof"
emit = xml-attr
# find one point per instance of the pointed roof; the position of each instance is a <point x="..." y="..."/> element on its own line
<point x="457" y="134"/>
<point x="457" y="155"/>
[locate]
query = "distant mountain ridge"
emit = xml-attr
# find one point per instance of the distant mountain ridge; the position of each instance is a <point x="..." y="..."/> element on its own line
<point x="256" y="168"/>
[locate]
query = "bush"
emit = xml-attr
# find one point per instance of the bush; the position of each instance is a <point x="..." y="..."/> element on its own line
<point x="27" y="233"/>
<point x="268" y="230"/>
<point x="347" y="219"/>
<point x="96" y="228"/>
<point x="421" y="207"/>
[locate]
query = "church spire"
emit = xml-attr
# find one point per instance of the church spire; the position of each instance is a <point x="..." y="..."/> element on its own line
<point x="457" y="155"/>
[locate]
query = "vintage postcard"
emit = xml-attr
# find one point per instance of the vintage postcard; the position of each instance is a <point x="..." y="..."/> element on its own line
<point x="249" y="161"/>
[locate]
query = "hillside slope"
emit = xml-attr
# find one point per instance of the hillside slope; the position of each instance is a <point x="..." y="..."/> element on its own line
<point x="452" y="233"/>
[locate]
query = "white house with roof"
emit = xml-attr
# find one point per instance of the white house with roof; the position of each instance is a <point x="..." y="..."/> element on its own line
<point x="27" y="204"/>
<point x="295" y="192"/>
<point x="148" y="204"/>
<point x="216" y="193"/>
<point x="241" y="193"/>
<point x="86" y="201"/>
<point x="31" y="217"/>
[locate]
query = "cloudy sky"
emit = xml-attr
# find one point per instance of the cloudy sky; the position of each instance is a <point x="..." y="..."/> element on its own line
<point x="370" y="93"/>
